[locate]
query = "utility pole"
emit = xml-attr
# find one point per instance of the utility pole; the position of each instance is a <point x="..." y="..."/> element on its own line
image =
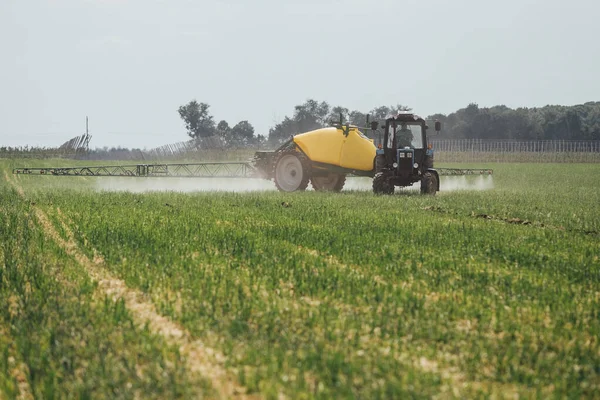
<point x="86" y="141"/>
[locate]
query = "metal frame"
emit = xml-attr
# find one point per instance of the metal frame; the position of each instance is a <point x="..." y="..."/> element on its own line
<point x="188" y="170"/>
<point x="461" y="172"/>
<point x="202" y="170"/>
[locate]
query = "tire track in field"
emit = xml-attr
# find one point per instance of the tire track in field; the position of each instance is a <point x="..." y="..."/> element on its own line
<point x="14" y="184"/>
<point x="18" y="371"/>
<point x="511" y="220"/>
<point x="199" y="358"/>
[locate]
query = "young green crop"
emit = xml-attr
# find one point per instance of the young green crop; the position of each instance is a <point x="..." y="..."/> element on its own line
<point x="58" y="337"/>
<point x="465" y="294"/>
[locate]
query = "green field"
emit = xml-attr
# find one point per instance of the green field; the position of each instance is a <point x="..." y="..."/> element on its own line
<point x="492" y="293"/>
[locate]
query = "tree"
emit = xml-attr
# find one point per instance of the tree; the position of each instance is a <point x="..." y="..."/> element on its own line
<point x="198" y="122"/>
<point x="223" y="130"/>
<point x="311" y="115"/>
<point x="307" y="116"/>
<point x="358" y="118"/>
<point x="260" y="140"/>
<point x="383" y="112"/>
<point x="283" y="131"/>
<point x="242" y="134"/>
<point x="380" y="113"/>
<point x="314" y="115"/>
<point x="334" y="115"/>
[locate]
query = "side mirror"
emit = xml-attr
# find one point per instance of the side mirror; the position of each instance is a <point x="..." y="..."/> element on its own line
<point x="374" y="125"/>
<point x="438" y="126"/>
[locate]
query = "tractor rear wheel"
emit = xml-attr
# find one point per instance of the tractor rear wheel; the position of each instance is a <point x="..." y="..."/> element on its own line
<point x="291" y="172"/>
<point x="328" y="183"/>
<point x="382" y="185"/>
<point x="429" y="183"/>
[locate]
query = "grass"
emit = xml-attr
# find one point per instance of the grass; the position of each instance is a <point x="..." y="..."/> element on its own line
<point x="60" y="337"/>
<point x="466" y="294"/>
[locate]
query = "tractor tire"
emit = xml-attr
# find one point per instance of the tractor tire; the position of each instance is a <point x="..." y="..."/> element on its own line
<point x="291" y="172"/>
<point x="328" y="183"/>
<point x="429" y="183"/>
<point x="379" y="162"/>
<point x="382" y="185"/>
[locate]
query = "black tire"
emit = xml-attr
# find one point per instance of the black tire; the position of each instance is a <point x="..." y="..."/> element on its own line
<point x="291" y="172"/>
<point x="379" y="162"/>
<point x="429" y="183"/>
<point x="328" y="183"/>
<point x="382" y="185"/>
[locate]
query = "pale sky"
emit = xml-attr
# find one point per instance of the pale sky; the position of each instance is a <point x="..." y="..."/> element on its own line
<point x="129" y="64"/>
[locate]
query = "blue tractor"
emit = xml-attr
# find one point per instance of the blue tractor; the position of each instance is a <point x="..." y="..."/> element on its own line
<point x="404" y="157"/>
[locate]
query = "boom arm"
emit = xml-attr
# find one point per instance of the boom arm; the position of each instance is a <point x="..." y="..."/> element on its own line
<point x="194" y="170"/>
<point x="462" y="171"/>
<point x="190" y="170"/>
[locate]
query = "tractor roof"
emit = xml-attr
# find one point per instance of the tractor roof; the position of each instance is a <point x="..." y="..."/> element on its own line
<point x="406" y="117"/>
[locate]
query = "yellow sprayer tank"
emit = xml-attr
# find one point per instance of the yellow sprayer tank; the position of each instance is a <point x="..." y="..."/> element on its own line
<point x="331" y="146"/>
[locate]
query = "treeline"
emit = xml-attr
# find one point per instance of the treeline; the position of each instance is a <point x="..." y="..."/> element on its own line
<point x="552" y="122"/>
<point x="579" y="122"/>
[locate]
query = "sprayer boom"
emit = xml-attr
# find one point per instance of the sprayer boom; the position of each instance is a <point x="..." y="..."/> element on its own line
<point x="463" y="171"/>
<point x="188" y="170"/>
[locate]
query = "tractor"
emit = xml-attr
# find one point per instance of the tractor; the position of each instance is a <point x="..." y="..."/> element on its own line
<point x="404" y="157"/>
<point x="324" y="157"/>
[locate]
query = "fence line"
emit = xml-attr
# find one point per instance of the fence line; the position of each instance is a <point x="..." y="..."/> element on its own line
<point x="515" y="146"/>
<point x="482" y="150"/>
<point x="73" y="148"/>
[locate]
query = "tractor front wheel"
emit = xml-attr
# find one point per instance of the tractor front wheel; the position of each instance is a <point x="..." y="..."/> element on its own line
<point x="328" y="183"/>
<point x="291" y="172"/>
<point x="382" y="185"/>
<point x="429" y="183"/>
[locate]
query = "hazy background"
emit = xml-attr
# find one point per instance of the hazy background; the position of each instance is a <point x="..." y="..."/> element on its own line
<point x="129" y="64"/>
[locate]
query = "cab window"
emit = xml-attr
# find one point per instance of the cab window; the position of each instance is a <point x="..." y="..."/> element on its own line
<point x="407" y="135"/>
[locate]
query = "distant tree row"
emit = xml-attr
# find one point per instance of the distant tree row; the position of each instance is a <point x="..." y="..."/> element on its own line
<point x="552" y="122"/>
<point x="580" y="122"/>
<point x="199" y="123"/>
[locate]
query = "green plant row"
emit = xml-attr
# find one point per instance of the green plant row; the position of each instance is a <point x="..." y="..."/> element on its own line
<point x="351" y="295"/>
<point x="60" y="337"/>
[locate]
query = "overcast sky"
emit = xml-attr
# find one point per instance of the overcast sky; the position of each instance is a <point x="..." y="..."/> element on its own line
<point x="129" y="64"/>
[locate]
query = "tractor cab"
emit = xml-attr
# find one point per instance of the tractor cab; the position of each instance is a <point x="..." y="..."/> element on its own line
<point x="403" y="156"/>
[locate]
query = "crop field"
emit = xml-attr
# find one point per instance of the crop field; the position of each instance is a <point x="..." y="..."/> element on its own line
<point x="261" y="294"/>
